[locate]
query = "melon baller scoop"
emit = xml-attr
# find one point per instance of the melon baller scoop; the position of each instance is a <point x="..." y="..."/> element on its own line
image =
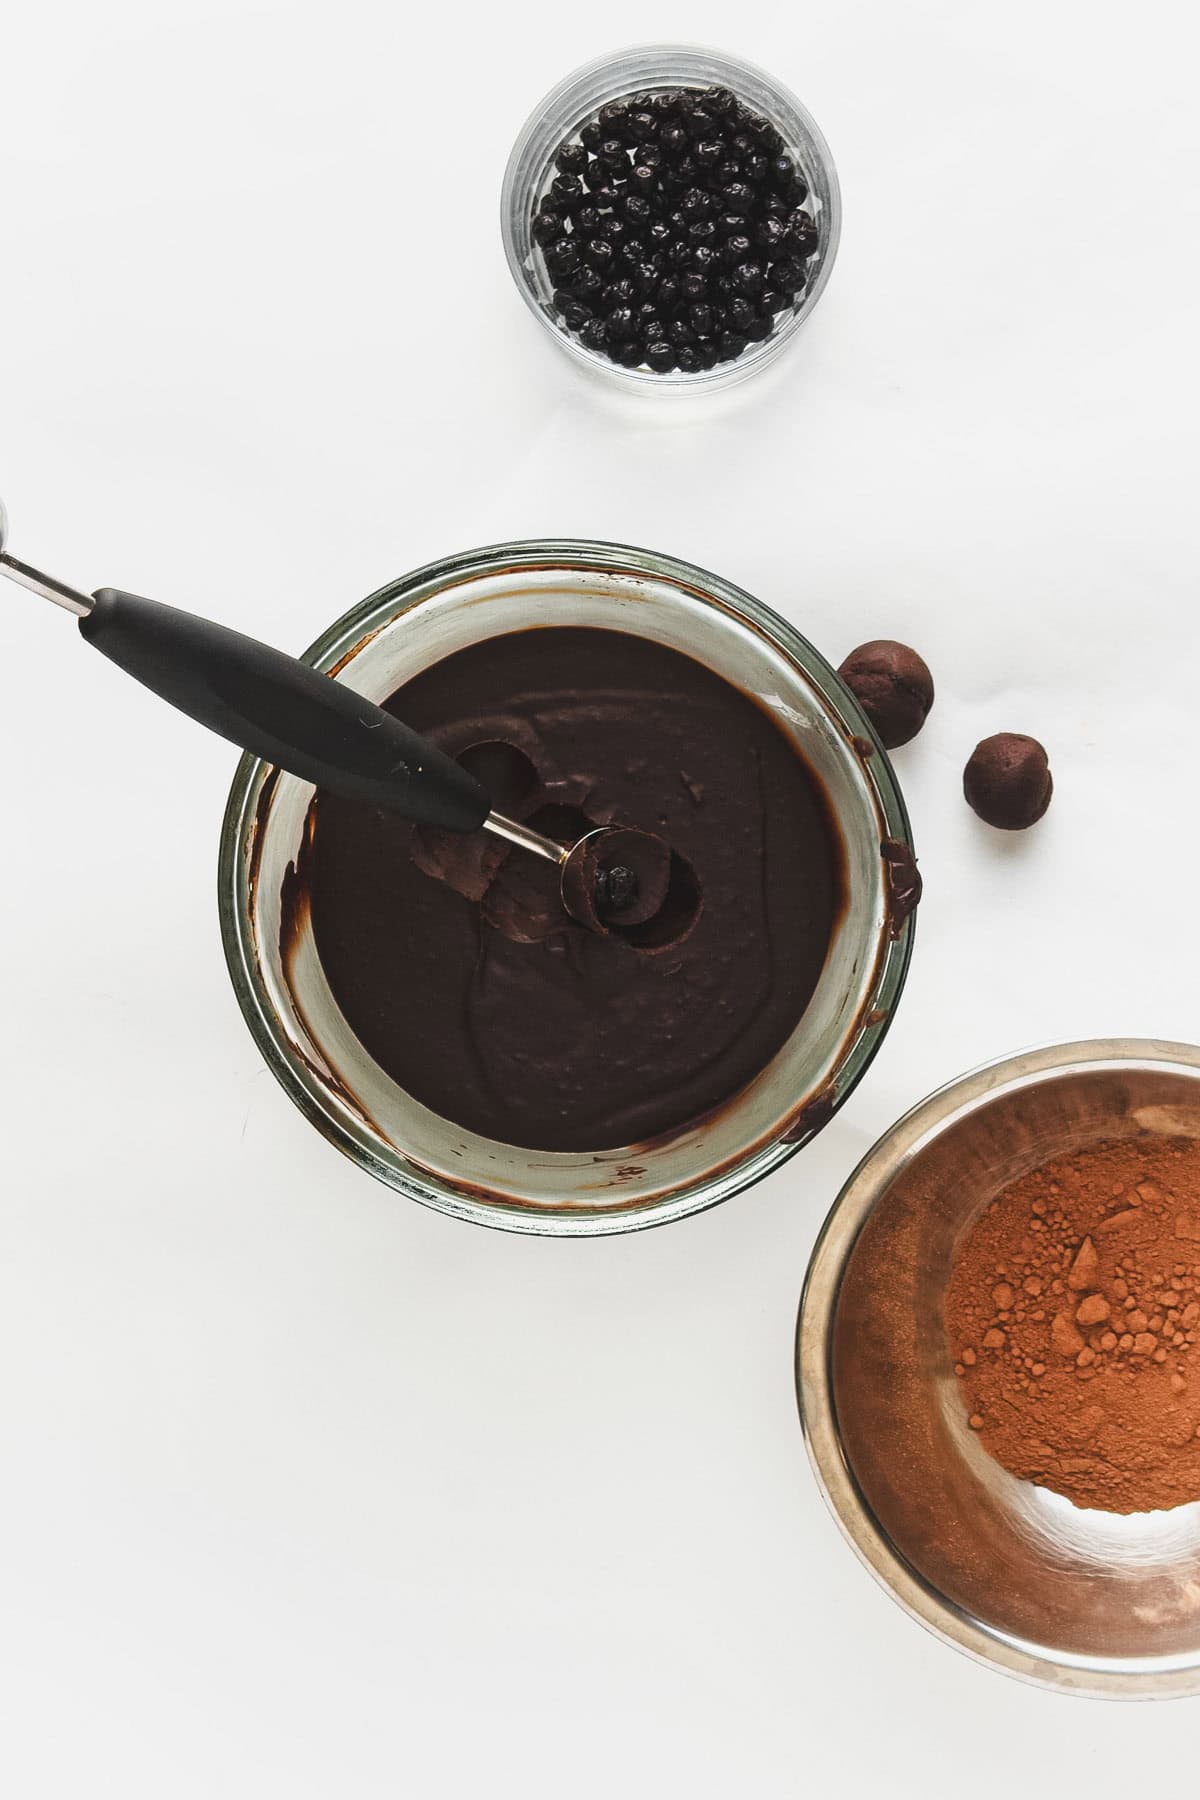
<point x="317" y="728"/>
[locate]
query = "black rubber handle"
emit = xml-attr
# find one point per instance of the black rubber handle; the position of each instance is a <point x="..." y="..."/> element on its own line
<point x="284" y="711"/>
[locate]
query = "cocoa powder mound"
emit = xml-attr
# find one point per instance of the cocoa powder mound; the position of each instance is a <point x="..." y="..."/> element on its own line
<point x="1073" y="1315"/>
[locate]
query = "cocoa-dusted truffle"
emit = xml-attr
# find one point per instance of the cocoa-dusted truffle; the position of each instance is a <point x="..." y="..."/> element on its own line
<point x="893" y="686"/>
<point x="1008" y="782"/>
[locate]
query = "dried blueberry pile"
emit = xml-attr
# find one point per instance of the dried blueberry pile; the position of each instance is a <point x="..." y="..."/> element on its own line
<point x="675" y="231"/>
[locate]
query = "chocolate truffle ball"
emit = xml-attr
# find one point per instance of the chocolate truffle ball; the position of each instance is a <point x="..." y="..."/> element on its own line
<point x="1008" y="782"/>
<point x="893" y="686"/>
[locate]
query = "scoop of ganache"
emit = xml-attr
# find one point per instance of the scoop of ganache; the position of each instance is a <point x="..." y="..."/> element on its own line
<point x="592" y="896"/>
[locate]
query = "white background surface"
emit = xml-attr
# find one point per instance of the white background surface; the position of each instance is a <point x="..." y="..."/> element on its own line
<point x="308" y="1491"/>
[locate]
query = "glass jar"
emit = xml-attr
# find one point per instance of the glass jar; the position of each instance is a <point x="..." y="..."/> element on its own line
<point x="286" y="1000"/>
<point x="615" y="77"/>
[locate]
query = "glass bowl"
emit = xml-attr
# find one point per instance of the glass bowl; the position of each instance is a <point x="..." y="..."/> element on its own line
<point x="417" y="621"/>
<point x="1068" y="1597"/>
<point x="615" y="77"/>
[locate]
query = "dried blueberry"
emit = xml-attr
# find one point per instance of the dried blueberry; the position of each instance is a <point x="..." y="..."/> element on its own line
<point x="600" y="253"/>
<point x="731" y="224"/>
<point x="788" y="275"/>
<point x="769" y="235"/>
<point x="802" y="235"/>
<point x="696" y="117"/>
<point x="562" y="256"/>
<point x="764" y="134"/>
<point x="572" y="159"/>
<point x="546" y="227"/>
<point x="617" y="293"/>
<point x="783" y="175"/>
<point x="584" y="282"/>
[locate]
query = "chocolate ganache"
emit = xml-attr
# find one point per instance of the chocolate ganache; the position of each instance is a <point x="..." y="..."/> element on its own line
<point x="454" y="961"/>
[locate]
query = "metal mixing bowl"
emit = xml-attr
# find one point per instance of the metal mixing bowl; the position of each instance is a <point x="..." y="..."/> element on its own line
<point x="1091" y="1602"/>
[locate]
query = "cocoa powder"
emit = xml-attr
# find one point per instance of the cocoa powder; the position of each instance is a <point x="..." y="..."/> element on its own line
<point x="1073" y="1315"/>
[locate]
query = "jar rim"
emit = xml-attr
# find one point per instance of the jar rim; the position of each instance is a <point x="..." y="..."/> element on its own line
<point x="647" y="65"/>
<point x="332" y="651"/>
